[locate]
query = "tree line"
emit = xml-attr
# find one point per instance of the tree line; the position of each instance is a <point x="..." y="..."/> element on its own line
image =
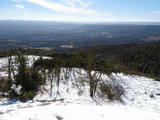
<point x="141" y="59"/>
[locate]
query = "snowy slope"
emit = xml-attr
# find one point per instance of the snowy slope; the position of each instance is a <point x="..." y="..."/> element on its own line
<point x="142" y="97"/>
<point x="141" y="92"/>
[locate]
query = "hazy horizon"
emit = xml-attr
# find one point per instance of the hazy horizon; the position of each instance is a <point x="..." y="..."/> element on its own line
<point x="89" y="22"/>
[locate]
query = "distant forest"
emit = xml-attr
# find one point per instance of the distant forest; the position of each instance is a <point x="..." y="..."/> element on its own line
<point x="133" y="58"/>
<point x="36" y="34"/>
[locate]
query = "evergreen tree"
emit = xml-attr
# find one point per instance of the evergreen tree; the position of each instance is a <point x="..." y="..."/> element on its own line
<point x="28" y="78"/>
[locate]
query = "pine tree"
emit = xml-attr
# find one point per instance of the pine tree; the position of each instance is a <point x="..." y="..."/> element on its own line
<point x="28" y="78"/>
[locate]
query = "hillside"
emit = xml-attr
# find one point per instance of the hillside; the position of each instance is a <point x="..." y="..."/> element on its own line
<point x="140" y="100"/>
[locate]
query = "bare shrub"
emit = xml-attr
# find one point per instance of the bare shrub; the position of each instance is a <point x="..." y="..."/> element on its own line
<point x="59" y="117"/>
<point x="80" y="92"/>
<point x="108" y="91"/>
<point x="4" y="84"/>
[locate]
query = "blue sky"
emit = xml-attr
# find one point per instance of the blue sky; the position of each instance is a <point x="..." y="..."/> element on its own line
<point x="81" y="10"/>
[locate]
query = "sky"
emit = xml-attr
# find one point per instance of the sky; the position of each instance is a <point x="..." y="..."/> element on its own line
<point x="81" y="10"/>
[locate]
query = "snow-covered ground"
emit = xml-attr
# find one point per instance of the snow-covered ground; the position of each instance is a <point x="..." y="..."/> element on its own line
<point x="142" y="98"/>
<point x="72" y="111"/>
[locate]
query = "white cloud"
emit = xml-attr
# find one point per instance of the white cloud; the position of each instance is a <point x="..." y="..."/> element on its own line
<point x="83" y="4"/>
<point x="79" y="3"/>
<point x="69" y="3"/>
<point x="72" y="9"/>
<point x="19" y="6"/>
